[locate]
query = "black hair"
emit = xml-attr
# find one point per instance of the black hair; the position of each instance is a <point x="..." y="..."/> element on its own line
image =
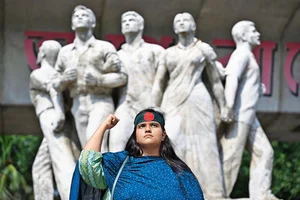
<point x="166" y="149"/>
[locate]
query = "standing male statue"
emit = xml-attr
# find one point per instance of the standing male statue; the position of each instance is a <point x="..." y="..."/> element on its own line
<point x="140" y="61"/>
<point x="90" y="69"/>
<point x="242" y="91"/>
<point x="55" y="152"/>
<point x="188" y="105"/>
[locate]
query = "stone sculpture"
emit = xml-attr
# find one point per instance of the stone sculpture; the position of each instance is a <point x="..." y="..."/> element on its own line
<point x="242" y="92"/>
<point x="188" y="105"/>
<point x="172" y="79"/>
<point x="140" y="60"/>
<point x="55" y="152"/>
<point x="90" y="69"/>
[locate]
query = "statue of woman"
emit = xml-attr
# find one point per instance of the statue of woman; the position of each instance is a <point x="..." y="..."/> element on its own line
<point x="190" y="113"/>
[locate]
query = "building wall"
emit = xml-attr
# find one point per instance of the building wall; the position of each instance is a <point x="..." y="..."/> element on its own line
<point x="277" y="21"/>
<point x="1" y="58"/>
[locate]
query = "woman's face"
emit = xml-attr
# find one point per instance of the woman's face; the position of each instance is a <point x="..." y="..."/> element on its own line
<point x="149" y="134"/>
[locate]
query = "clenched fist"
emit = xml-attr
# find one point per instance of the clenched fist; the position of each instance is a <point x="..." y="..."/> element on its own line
<point x="110" y="121"/>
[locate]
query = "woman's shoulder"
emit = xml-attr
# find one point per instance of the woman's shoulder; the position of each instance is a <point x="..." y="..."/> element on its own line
<point x="113" y="160"/>
<point x="187" y="175"/>
<point x="192" y="185"/>
<point x="120" y="155"/>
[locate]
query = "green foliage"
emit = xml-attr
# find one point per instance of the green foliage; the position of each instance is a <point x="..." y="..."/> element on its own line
<point x="17" y="155"/>
<point x="286" y="172"/>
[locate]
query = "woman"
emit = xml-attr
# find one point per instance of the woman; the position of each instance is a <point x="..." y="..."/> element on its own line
<point x="153" y="170"/>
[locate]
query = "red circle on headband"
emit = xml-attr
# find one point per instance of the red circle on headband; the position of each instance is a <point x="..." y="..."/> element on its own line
<point x="148" y="116"/>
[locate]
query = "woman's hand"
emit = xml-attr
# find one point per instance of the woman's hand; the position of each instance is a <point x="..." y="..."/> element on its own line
<point x="110" y="121"/>
<point x="95" y="142"/>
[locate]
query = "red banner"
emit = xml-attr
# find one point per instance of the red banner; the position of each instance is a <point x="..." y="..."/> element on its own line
<point x="293" y="50"/>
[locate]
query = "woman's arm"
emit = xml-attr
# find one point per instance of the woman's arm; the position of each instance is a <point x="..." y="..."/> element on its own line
<point x="91" y="170"/>
<point x="159" y="85"/>
<point x="90" y="166"/>
<point x="95" y="142"/>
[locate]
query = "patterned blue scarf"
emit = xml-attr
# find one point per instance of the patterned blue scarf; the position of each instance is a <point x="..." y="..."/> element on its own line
<point x="148" y="177"/>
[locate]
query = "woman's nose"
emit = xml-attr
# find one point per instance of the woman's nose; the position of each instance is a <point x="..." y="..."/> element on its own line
<point x="148" y="128"/>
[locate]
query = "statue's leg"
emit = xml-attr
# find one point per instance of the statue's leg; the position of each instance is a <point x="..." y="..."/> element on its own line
<point x="261" y="164"/>
<point x="193" y="130"/>
<point x="232" y="146"/>
<point x="119" y="135"/>
<point x="202" y="153"/>
<point x="42" y="175"/>
<point x="173" y="126"/>
<point x="99" y="111"/>
<point x="63" y="161"/>
<point x="81" y="120"/>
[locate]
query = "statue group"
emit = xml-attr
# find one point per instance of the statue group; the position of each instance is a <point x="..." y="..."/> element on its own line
<point x="145" y="75"/>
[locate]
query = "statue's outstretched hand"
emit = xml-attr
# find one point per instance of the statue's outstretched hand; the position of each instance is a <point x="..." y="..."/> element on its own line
<point x="90" y="79"/>
<point x="58" y="124"/>
<point x="112" y="65"/>
<point x="263" y="89"/>
<point x="227" y="115"/>
<point x="70" y="75"/>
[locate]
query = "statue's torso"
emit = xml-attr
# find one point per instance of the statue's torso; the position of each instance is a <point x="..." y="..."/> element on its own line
<point x="90" y="60"/>
<point x="141" y="64"/>
<point x="177" y="59"/>
<point x="248" y="92"/>
<point x="185" y="67"/>
<point x="41" y="98"/>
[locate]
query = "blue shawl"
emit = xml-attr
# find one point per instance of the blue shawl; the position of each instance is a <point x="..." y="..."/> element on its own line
<point x="143" y="178"/>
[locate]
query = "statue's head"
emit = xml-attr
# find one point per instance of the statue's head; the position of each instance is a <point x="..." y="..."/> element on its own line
<point x="132" y="22"/>
<point x="48" y="50"/>
<point x="83" y="17"/>
<point x="184" y="23"/>
<point x="245" y="31"/>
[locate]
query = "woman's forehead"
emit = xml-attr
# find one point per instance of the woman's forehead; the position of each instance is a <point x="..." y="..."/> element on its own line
<point x="149" y="122"/>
